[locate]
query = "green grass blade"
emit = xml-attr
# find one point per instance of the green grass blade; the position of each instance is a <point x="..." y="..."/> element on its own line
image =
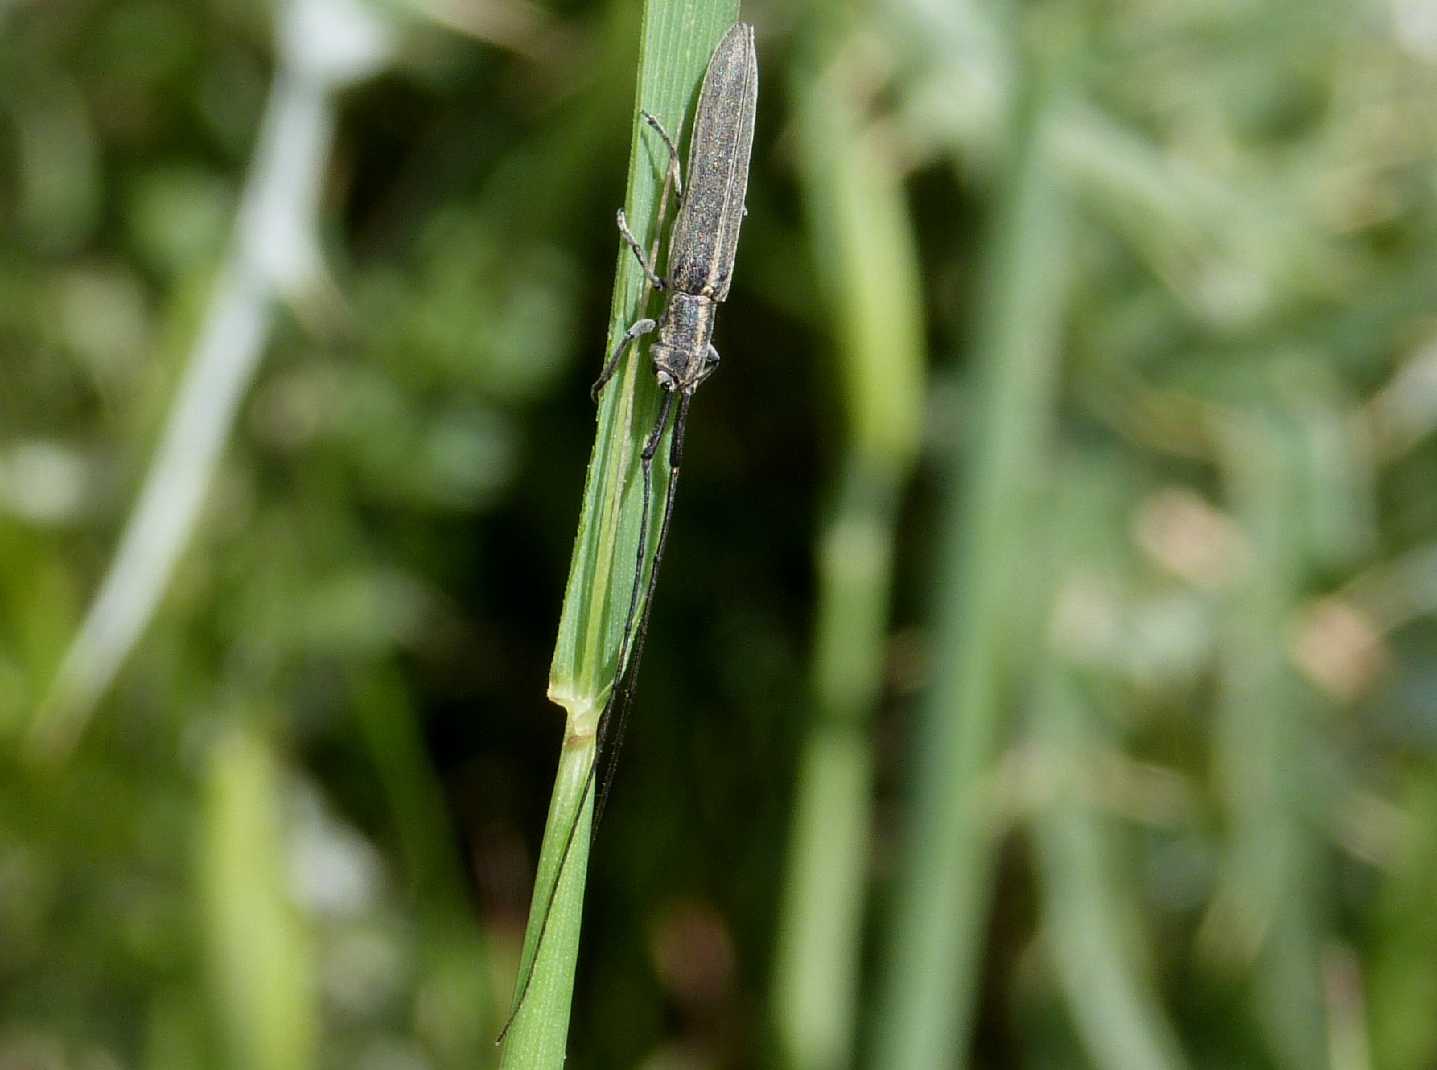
<point x="677" y="40"/>
<point x="538" y="1034"/>
<point x="1270" y="913"/>
<point x="1089" y="917"/>
<point x="1092" y="919"/>
<point x="1404" y="963"/>
<point x="927" y="1004"/>
<point x="867" y="264"/>
<point x="456" y="965"/>
<point x="261" y="970"/>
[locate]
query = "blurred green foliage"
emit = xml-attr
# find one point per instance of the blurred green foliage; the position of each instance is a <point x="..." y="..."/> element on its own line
<point x="1135" y="700"/>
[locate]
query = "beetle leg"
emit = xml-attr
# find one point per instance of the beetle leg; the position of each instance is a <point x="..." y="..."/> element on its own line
<point x="640" y="327"/>
<point x="675" y="175"/>
<point x="638" y="251"/>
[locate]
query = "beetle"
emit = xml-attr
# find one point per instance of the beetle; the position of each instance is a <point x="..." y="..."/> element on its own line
<point x="702" y="246"/>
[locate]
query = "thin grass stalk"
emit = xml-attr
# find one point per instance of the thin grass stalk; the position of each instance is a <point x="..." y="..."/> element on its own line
<point x="273" y="253"/>
<point x="867" y="265"/>
<point x="456" y="975"/>
<point x="1269" y="912"/>
<point x="543" y="992"/>
<point x="678" y="38"/>
<point x="1402" y="988"/>
<point x="1091" y="914"/>
<point x="260" y="964"/>
<point x="930" y="983"/>
<point x="816" y="975"/>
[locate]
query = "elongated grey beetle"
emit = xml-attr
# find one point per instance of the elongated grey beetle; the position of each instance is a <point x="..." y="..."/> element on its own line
<point x="702" y="246"/>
